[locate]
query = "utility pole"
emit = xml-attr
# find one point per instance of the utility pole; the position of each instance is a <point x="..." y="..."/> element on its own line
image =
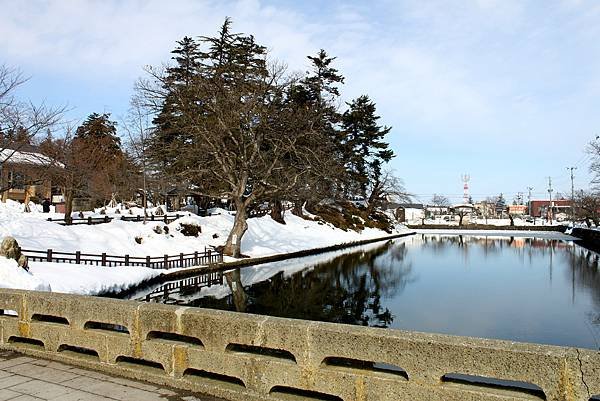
<point x="572" y="195"/>
<point x="550" y="193"/>
<point x="529" y="189"/>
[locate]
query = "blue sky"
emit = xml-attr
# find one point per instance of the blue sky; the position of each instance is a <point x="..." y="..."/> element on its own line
<point x="507" y="91"/>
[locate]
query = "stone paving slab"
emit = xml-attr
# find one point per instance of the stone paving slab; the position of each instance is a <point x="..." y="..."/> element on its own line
<point x="27" y="379"/>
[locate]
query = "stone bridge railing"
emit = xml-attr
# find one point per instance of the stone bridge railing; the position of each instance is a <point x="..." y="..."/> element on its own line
<point x="246" y="357"/>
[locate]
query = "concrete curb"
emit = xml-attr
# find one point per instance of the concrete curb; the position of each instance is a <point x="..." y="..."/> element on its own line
<point x="487" y="227"/>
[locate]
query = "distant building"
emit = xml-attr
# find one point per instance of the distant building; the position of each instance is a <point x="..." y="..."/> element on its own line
<point x="518" y="210"/>
<point x="409" y="212"/>
<point x="540" y="208"/>
<point x="22" y="174"/>
<point x="485" y="209"/>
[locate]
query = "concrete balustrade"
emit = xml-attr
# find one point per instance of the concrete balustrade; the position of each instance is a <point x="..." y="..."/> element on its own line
<point x="247" y="357"/>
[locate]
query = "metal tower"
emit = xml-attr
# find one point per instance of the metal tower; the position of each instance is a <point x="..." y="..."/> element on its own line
<point x="466" y="178"/>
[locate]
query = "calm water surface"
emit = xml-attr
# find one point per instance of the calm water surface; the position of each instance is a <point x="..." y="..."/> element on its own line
<point x="522" y="289"/>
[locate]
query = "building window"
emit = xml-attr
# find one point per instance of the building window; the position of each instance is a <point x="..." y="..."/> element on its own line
<point x="16" y="180"/>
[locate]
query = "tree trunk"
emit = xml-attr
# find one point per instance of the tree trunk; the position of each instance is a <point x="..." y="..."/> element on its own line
<point x="234" y="281"/>
<point x="240" y="225"/>
<point x="460" y="219"/>
<point x="512" y="220"/>
<point x="68" y="205"/>
<point x="277" y="211"/>
<point x="297" y="210"/>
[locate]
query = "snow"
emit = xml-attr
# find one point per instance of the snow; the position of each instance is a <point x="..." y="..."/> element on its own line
<point x="21" y="157"/>
<point x="88" y="280"/>
<point x="13" y="276"/>
<point x="264" y="237"/>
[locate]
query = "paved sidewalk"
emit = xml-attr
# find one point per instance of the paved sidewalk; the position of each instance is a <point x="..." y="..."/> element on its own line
<point x="23" y="378"/>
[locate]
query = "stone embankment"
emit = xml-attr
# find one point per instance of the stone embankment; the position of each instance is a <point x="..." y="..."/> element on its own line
<point x="485" y="227"/>
<point x="588" y="238"/>
<point x="247" y="357"/>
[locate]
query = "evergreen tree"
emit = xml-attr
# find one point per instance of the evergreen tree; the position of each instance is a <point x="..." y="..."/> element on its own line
<point x="500" y="204"/>
<point x="170" y="130"/>
<point x="99" y="131"/>
<point x="316" y="97"/>
<point x="365" y="152"/>
<point x="237" y="134"/>
<point x="97" y="136"/>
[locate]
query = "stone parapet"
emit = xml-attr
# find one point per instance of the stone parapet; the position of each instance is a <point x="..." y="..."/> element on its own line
<point x="248" y="357"/>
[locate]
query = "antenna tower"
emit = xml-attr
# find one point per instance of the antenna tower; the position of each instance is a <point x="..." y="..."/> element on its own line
<point x="466" y="178"/>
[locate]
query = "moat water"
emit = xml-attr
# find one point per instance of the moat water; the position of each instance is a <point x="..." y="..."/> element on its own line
<point x="538" y="290"/>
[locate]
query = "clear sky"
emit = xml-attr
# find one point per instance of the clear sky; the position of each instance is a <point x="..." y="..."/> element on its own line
<point x="507" y="91"/>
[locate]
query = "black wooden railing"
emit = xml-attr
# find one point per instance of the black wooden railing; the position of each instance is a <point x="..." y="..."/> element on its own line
<point x="101" y="220"/>
<point x="187" y="285"/>
<point x="207" y="257"/>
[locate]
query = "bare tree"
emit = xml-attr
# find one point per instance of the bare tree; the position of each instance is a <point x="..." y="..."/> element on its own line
<point x="440" y="201"/>
<point x="384" y="188"/>
<point x="137" y="125"/>
<point x="587" y="207"/>
<point x="20" y="121"/>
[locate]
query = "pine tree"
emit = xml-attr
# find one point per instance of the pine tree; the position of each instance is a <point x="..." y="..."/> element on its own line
<point x="97" y="136"/>
<point x="170" y="129"/>
<point x="500" y="204"/>
<point x="98" y="130"/>
<point x="317" y="94"/>
<point x="237" y="134"/>
<point x="364" y="150"/>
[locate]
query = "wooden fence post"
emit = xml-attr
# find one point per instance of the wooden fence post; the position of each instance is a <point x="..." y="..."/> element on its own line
<point x="126" y="260"/>
<point x="148" y="261"/>
<point x="78" y="257"/>
<point x="165" y="219"/>
<point x="181" y="260"/>
<point x="166" y="262"/>
<point x="89" y="221"/>
<point x="106" y="219"/>
<point x="196" y="258"/>
<point x="103" y="258"/>
<point x="49" y="255"/>
<point x="209" y="257"/>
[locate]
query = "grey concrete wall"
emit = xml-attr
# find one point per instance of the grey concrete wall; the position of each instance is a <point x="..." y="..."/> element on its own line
<point x="248" y="357"/>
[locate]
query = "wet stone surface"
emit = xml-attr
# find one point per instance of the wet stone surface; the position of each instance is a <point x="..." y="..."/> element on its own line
<point x="24" y="378"/>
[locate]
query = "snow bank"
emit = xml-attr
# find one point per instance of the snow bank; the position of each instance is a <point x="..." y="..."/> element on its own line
<point x="89" y="280"/>
<point x="264" y="236"/>
<point x="12" y="276"/>
<point x="68" y="278"/>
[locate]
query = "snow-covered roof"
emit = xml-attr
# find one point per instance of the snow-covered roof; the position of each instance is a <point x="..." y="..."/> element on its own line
<point x="22" y="157"/>
<point x="463" y="205"/>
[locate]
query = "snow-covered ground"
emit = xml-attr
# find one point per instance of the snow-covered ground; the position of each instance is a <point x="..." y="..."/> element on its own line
<point x="264" y="237"/>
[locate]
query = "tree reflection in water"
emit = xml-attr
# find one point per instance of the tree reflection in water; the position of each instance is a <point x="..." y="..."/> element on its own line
<point x="584" y="274"/>
<point x="348" y="289"/>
